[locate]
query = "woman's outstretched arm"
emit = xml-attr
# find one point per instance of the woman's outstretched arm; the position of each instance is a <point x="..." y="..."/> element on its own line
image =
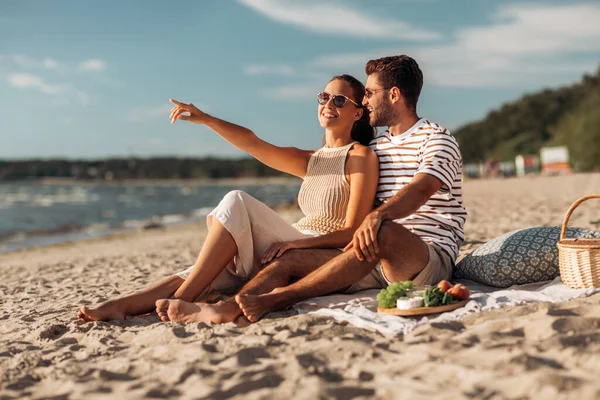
<point x="290" y="160"/>
<point x="362" y="168"/>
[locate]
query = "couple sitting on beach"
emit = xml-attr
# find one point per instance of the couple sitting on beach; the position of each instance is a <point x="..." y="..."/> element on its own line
<point x="343" y="244"/>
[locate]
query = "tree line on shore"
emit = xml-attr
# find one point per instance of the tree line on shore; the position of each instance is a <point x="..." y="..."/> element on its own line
<point x="568" y="116"/>
<point x="135" y="168"/>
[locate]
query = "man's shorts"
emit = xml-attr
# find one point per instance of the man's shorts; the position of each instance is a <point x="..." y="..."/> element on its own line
<point x="439" y="267"/>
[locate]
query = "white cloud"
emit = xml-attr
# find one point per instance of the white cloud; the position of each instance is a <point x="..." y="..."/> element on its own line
<point x="270" y="70"/>
<point x="524" y="45"/>
<point x="63" y="91"/>
<point x="93" y="65"/>
<point x="33" y="81"/>
<point x="50" y="63"/>
<point x="23" y="61"/>
<point x="337" y="19"/>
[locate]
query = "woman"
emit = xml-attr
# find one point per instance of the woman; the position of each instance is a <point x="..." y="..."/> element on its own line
<point x="340" y="181"/>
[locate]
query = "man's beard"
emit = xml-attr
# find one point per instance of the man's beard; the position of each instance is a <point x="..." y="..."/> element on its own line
<point x="385" y="115"/>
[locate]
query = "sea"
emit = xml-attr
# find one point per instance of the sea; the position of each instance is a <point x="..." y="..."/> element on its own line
<point x="36" y="214"/>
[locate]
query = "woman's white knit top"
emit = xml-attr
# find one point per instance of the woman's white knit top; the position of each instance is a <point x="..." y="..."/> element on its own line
<point x="325" y="192"/>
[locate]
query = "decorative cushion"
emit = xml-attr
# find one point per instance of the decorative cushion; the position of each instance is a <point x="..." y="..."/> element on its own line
<point x="515" y="258"/>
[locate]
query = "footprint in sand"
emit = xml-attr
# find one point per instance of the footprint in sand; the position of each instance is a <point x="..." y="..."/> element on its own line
<point x="268" y="381"/>
<point x="245" y="357"/>
<point x="533" y="362"/>
<point x="349" y="392"/>
<point x="65" y="342"/>
<point x="307" y="360"/>
<point x="582" y="341"/>
<point x="558" y="312"/>
<point x="53" y="332"/>
<point x="565" y="325"/>
<point x="162" y="393"/>
<point x="562" y="383"/>
<point x="180" y="332"/>
<point x="114" y="376"/>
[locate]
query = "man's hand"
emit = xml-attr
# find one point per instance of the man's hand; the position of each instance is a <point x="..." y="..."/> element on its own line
<point x="187" y="112"/>
<point x="277" y="249"/>
<point x="364" y="241"/>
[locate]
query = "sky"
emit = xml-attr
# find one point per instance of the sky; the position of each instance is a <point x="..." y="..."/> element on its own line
<point x="82" y="79"/>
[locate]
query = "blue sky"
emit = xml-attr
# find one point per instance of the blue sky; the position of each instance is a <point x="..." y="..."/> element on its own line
<point x="82" y="79"/>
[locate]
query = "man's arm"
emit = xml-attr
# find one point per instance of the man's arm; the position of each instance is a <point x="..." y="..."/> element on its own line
<point x="404" y="203"/>
<point x="439" y="167"/>
<point x="410" y="198"/>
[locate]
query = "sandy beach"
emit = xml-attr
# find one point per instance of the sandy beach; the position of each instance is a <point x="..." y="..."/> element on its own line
<point x="541" y="350"/>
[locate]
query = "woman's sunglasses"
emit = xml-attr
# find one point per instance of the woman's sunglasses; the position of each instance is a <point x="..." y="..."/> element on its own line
<point x="339" y="100"/>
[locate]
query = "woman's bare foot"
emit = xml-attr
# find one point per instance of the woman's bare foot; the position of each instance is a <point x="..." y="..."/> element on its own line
<point x="182" y="311"/>
<point x="255" y="307"/>
<point x="104" y="312"/>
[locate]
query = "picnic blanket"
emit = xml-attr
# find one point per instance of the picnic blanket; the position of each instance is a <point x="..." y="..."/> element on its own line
<point x="360" y="309"/>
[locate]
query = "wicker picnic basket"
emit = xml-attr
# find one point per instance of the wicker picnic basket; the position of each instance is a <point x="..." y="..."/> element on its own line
<point x="579" y="259"/>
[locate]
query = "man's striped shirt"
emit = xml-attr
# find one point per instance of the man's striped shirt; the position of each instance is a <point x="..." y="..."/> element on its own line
<point x="426" y="148"/>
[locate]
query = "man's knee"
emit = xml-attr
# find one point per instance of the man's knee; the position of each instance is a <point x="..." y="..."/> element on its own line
<point x="289" y="262"/>
<point x="391" y="236"/>
<point x="388" y="234"/>
<point x="284" y="264"/>
<point x="300" y="262"/>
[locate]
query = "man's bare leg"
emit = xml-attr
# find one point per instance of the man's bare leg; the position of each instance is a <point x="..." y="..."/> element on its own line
<point x="141" y="302"/>
<point x="292" y="264"/>
<point x="403" y="255"/>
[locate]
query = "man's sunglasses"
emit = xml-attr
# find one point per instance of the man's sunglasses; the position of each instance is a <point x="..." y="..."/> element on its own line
<point x="370" y="93"/>
<point x="339" y="100"/>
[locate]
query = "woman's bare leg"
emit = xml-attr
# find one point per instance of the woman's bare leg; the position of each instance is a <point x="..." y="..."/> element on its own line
<point x="218" y="250"/>
<point x="141" y="302"/>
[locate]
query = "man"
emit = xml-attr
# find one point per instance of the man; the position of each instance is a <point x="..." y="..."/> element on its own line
<point x="415" y="234"/>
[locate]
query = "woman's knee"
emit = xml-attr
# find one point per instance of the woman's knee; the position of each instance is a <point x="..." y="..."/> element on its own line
<point x="235" y="196"/>
<point x="233" y="202"/>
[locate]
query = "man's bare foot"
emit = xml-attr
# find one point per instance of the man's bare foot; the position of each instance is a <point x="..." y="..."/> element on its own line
<point x="104" y="312"/>
<point x="182" y="311"/>
<point x="255" y="307"/>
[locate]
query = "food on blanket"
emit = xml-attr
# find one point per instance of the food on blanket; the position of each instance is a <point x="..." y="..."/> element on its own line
<point x="459" y="292"/>
<point x="434" y="297"/>
<point x="406" y="303"/>
<point x="444" y="286"/>
<point x="387" y="297"/>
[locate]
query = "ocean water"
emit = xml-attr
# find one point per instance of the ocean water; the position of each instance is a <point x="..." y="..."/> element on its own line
<point x="33" y="214"/>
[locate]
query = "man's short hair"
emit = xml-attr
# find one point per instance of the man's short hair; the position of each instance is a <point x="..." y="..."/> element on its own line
<point x="400" y="71"/>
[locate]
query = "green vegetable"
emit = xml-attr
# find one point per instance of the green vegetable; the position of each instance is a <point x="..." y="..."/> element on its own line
<point x="435" y="297"/>
<point x="387" y="297"/>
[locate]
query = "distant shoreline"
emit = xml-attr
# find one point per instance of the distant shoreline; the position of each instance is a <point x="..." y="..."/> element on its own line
<point x="159" y="182"/>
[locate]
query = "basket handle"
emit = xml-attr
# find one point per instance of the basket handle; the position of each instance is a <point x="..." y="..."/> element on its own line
<point x="563" y="229"/>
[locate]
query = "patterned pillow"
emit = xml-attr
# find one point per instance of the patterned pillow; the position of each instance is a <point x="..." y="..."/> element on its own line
<point x="515" y="258"/>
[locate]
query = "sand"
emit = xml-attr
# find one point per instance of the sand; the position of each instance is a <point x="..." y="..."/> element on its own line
<point x="541" y="350"/>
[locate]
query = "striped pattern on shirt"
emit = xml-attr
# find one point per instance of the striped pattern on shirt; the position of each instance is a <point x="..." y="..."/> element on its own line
<point x="426" y="148"/>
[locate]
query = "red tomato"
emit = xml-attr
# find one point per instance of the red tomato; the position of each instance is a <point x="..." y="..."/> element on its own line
<point x="459" y="292"/>
<point x="444" y="286"/>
